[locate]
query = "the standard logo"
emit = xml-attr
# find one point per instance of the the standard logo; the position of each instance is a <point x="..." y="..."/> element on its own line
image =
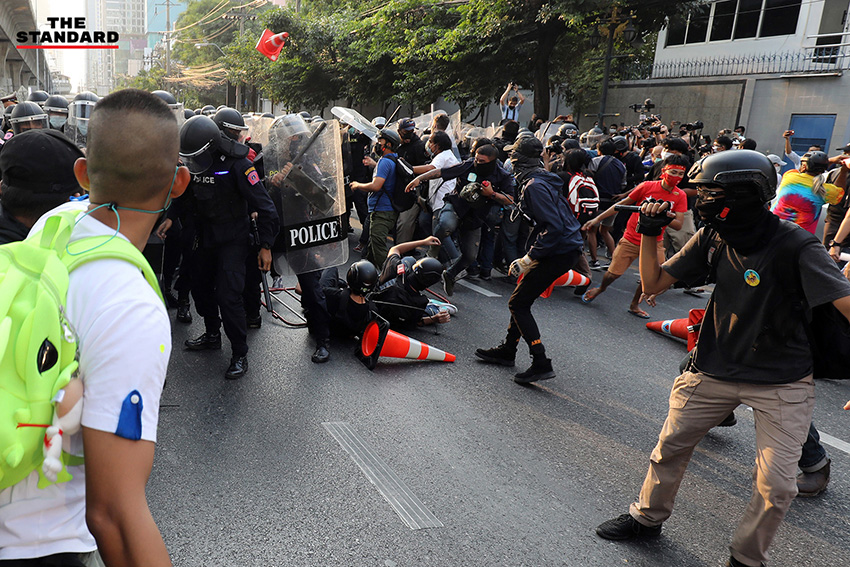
<point x="67" y="33"/>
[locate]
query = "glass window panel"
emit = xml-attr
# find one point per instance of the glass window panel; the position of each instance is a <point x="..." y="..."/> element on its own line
<point x="698" y="26"/>
<point x="747" y="23"/>
<point x="780" y="17"/>
<point x="676" y="31"/>
<point x="724" y="18"/>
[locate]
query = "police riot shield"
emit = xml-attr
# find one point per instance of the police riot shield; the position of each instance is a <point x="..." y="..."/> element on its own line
<point x="77" y="126"/>
<point x="546" y="131"/>
<point x="258" y="129"/>
<point x="357" y="120"/>
<point x="177" y="110"/>
<point x="311" y="199"/>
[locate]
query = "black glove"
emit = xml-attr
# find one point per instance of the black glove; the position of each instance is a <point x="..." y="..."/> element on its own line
<point x="653" y="225"/>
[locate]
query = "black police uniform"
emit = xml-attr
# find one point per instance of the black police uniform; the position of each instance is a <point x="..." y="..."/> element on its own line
<point x="222" y="197"/>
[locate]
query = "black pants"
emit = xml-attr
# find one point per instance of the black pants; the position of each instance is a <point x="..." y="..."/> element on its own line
<point x="217" y="289"/>
<point x="539" y="276"/>
<point x="253" y="280"/>
<point x="183" y="285"/>
<point x="315" y="306"/>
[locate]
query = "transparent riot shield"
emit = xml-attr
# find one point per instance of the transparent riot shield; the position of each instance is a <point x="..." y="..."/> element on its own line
<point x="258" y="129"/>
<point x="77" y="127"/>
<point x="311" y="200"/>
<point x="357" y="120"/>
<point x="177" y="110"/>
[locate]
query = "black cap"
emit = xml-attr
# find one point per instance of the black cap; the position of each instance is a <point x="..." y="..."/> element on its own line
<point x="526" y="145"/>
<point x="845" y="149"/>
<point x="41" y="161"/>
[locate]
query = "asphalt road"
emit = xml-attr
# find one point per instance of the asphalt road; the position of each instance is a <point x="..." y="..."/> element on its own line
<point x="249" y="472"/>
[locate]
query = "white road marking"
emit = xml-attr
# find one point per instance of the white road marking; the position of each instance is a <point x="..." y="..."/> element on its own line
<point x="473" y="287"/>
<point x="827" y="439"/>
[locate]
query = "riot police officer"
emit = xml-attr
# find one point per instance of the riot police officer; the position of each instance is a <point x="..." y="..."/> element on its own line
<point x="224" y="189"/>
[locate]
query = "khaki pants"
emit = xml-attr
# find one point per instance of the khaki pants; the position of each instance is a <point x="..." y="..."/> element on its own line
<point x="782" y="414"/>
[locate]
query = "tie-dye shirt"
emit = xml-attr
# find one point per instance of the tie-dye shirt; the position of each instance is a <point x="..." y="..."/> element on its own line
<point x="796" y="200"/>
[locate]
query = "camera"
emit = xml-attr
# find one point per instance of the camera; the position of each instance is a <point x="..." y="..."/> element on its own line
<point x="654" y="129"/>
<point x="625" y="132"/>
<point x="648" y="143"/>
<point x="698" y="125"/>
<point x="555" y="147"/>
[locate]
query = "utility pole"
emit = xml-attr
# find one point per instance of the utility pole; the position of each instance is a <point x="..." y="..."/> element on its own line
<point x="168" y="4"/>
<point x="240" y="14"/>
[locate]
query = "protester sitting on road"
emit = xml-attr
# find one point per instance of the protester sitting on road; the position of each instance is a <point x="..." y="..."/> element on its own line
<point x="628" y="249"/>
<point x="399" y="295"/>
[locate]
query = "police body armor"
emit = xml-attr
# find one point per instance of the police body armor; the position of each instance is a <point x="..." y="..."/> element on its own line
<point x="217" y="199"/>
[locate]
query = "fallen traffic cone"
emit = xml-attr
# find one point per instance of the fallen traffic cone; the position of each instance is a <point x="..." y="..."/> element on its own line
<point x="571" y="278"/>
<point x="270" y="43"/>
<point x="695" y="317"/>
<point x="674" y="327"/>
<point x="379" y="340"/>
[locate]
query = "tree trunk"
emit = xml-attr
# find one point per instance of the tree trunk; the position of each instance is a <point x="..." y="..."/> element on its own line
<point x="547" y="37"/>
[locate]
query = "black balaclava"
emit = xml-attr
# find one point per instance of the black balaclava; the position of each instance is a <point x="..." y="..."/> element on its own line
<point x="744" y="224"/>
<point x="523" y="165"/>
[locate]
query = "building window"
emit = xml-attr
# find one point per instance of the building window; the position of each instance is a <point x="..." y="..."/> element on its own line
<point x="735" y="19"/>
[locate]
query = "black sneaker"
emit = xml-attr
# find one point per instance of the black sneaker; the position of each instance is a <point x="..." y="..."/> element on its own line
<point x="238" y="368"/>
<point x="540" y="369"/>
<point x="811" y="484"/>
<point x="207" y="341"/>
<point x="485" y="275"/>
<point x="502" y="354"/>
<point x="254" y="322"/>
<point x="728" y="421"/>
<point x="732" y="562"/>
<point x="448" y="283"/>
<point x="625" y="527"/>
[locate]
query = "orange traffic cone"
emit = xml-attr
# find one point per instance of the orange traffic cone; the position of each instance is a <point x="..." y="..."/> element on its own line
<point x="379" y="340"/>
<point x="270" y="44"/>
<point x="674" y="327"/>
<point x="695" y="317"/>
<point x="570" y="278"/>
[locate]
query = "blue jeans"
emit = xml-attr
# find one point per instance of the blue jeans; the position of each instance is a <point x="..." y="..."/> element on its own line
<point x="443" y="223"/>
<point x="814" y="456"/>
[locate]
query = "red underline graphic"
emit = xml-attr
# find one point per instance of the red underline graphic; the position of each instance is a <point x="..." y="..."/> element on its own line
<point x="67" y="47"/>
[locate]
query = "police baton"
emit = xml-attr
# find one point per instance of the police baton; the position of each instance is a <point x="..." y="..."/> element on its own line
<point x="263" y="275"/>
<point x="319" y="129"/>
<point x="636" y="209"/>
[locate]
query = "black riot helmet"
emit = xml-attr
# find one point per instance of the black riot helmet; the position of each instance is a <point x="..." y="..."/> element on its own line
<point x="27" y="116"/>
<point x="230" y="122"/>
<point x="199" y="138"/>
<point x="362" y="277"/>
<point x="568" y="131"/>
<point x="306" y="116"/>
<point x="56" y="107"/>
<point x="390" y="136"/>
<point x="7" y="114"/>
<point x="208" y="110"/>
<point x="166" y="96"/>
<point x="816" y="162"/>
<point x="83" y="104"/>
<point x="740" y="173"/>
<point x="620" y="144"/>
<point x="424" y="273"/>
<point x="38" y="97"/>
<point x="188" y="113"/>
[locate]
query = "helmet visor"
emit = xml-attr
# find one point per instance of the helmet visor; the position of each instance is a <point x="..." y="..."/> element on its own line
<point x="24" y="123"/>
<point x="199" y="161"/>
<point x="81" y="108"/>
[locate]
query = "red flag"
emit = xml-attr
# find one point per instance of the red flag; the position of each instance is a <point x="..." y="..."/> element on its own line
<point x="270" y="44"/>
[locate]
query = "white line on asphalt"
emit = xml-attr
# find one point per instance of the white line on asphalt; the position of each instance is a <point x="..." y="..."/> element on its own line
<point x="481" y="290"/>
<point x="828" y="439"/>
<point x="409" y="508"/>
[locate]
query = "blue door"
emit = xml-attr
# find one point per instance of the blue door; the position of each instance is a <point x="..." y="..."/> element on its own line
<point x="811" y="130"/>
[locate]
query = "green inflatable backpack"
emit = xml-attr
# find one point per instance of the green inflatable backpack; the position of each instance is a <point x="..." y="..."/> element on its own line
<point x="38" y="347"/>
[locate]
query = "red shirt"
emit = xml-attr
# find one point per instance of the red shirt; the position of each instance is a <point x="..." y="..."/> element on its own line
<point x="653" y="189"/>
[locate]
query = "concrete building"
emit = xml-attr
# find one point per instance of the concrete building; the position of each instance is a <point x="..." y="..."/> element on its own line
<point x="769" y="65"/>
<point x="127" y="17"/>
<point x="20" y="69"/>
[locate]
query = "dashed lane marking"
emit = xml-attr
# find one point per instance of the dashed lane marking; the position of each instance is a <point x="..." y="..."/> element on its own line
<point x="473" y="287"/>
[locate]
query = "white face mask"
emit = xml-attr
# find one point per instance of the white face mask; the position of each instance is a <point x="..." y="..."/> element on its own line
<point x="665" y="155"/>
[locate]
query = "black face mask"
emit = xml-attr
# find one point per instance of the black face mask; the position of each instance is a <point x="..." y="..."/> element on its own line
<point x="484" y="170"/>
<point x="746" y="226"/>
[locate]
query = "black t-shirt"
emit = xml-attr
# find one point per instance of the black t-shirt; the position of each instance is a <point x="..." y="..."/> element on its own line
<point x="401" y="306"/>
<point x="348" y="318"/>
<point x="752" y="331"/>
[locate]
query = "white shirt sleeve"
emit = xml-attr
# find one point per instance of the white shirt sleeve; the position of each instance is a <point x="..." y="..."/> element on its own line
<point x="795" y="159"/>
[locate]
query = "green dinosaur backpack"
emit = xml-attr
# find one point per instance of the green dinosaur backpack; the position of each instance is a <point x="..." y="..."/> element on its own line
<point x="38" y="347"/>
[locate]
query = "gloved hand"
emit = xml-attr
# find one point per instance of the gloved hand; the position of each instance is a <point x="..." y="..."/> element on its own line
<point x="653" y="217"/>
<point x="520" y="266"/>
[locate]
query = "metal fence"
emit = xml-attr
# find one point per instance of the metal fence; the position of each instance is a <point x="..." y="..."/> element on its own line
<point x="826" y="59"/>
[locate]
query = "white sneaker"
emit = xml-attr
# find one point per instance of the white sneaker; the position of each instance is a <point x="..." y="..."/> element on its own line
<point x="443" y="306"/>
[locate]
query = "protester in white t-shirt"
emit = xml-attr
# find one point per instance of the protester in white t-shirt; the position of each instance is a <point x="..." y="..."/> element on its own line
<point x="124" y="340"/>
<point x="440" y="146"/>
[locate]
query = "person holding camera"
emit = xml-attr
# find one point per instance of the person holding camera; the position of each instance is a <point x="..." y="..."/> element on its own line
<point x="510" y="107"/>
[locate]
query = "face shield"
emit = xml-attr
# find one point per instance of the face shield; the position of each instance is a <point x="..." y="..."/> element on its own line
<point x="199" y="161"/>
<point x="24" y="123"/>
<point x="77" y="128"/>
